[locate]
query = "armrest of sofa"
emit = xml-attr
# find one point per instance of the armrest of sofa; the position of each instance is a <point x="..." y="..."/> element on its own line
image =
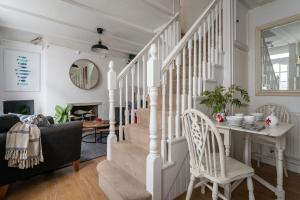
<point x="61" y="143"/>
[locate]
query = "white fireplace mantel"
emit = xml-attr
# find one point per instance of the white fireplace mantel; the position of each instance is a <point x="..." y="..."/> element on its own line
<point x="86" y="104"/>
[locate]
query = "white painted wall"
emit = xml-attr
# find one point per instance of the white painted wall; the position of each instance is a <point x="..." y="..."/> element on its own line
<point x="59" y="88"/>
<point x="11" y="95"/>
<point x="271" y="12"/>
<point x="259" y="16"/>
<point x="190" y="11"/>
<point x="56" y="86"/>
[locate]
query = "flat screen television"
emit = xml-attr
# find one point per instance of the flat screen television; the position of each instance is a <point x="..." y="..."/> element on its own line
<point x="25" y="107"/>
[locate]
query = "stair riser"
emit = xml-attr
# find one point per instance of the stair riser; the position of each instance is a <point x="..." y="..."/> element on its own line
<point x="134" y="163"/>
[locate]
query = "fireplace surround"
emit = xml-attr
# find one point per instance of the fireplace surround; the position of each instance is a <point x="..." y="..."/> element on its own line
<point x="84" y="111"/>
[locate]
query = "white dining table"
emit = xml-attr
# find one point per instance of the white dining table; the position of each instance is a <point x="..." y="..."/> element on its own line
<point x="276" y="134"/>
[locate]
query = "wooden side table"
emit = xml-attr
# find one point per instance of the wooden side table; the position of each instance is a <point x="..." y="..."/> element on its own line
<point x="95" y="125"/>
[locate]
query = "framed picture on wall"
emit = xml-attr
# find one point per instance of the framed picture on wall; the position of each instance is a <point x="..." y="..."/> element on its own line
<point x="22" y="70"/>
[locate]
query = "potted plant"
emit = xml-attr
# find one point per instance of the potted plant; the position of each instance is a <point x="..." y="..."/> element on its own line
<point x="221" y="99"/>
<point x="62" y="114"/>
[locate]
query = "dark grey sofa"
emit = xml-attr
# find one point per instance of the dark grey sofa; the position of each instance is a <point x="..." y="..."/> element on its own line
<point x="61" y="145"/>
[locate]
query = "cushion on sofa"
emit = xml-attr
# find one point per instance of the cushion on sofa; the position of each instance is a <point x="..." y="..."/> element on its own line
<point x="7" y="121"/>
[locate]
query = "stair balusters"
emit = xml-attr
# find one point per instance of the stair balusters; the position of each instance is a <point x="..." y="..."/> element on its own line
<point x="121" y="111"/>
<point x="201" y="50"/>
<point x="220" y="41"/>
<point x="144" y="81"/>
<point x="178" y="109"/>
<point x="190" y="46"/>
<point x="209" y="47"/>
<point x="112" y="86"/>
<point x="132" y="113"/>
<point x="183" y="96"/>
<point x="193" y="58"/>
<point x="200" y="60"/>
<point x="138" y="95"/>
<point x="195" y="71"/>
<point x="126" y="100"/>
<point x="163" y="120"/>
<point x="154" y="167"/>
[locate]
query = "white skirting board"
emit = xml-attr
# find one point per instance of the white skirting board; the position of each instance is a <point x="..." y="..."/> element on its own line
<point x="292" y="164"/>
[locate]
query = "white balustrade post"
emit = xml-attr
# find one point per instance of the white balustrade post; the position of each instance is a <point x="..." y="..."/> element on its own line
<point x="177" y="118"/>
<point x="195" y="72"/>
<point x="154" y="167"/>
<point x="200" y="61"/>
<point x="190" y="46"/>
<point x="112" y="86"/>
<point x="132" y="113"/>
<point x="183" y="96"/>
<point x="121" y="110"/>
<point x="163" y="120"/>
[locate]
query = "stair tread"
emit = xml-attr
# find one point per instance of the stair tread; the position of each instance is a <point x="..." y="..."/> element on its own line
<point x="131" y="159"/>
<point x="117" y="184"/>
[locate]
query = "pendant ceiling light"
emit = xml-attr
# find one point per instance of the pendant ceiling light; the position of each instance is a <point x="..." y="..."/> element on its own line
<point x="100" y="48"/>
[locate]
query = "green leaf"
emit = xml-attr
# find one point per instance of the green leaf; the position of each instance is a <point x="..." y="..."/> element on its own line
<point x="59" y="109"/>
<point x="219" y="99"/>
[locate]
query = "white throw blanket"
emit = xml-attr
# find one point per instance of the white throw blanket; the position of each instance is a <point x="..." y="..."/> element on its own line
<point x="23" y="146"/>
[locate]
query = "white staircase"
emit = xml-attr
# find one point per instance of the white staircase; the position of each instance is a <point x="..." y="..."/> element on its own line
<point x="269" y="80"/>
<point x="152" y="161"/>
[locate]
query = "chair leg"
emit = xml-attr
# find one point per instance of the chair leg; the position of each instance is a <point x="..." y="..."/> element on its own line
<point x="227" y="191"/>
<point x="215" y="191"/>
<point x="250" y="188"/>
<point x="203" y="189"/>
<point x="3" y="190"/>
<point x="76" y="165"/>
<point x="190" y="188"/>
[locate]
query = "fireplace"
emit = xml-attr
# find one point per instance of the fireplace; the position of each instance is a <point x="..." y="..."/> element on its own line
<point x="25" y="107"/>
<point x="84" y="111"/>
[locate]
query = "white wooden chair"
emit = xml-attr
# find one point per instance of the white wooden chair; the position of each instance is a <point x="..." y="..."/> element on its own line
<point x="284" y="117"/>
<point x="207" y="160"/>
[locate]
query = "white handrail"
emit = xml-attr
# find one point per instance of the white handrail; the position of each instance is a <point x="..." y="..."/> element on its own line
<point x="143" y="51"/>
<point x="186" y="38"/>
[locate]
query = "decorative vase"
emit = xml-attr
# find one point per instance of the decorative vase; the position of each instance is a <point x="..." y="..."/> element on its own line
<point x="271" y="120"/>
<point x="220" y="117"/>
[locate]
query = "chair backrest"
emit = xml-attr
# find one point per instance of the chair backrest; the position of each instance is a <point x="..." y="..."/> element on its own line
<point x="279" y="111"/>
<point x="205" y="144"/>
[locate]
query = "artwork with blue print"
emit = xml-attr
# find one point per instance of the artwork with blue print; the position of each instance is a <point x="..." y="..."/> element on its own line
<point x="21" y="70"/>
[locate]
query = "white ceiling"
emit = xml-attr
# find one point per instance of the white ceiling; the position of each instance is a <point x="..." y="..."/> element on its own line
<point x="283" y="35"/>
<point x="128" y="24"/>
<point x="255" y="3"/>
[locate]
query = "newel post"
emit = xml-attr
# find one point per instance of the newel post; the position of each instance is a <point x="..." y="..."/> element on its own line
<point x="112" y="86"/>
<point x="154" y="167"/>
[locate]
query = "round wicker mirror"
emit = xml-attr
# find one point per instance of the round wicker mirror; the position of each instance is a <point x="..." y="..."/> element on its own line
<point x="84" y="74"/>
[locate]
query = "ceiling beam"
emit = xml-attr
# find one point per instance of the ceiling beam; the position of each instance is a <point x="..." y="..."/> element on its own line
<point x="106" y="33"/>
<point x="111" y="17"/>
<point x="159" y="7"/>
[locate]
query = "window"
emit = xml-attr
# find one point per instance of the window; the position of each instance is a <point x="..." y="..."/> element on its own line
<point x="281" y="71"/>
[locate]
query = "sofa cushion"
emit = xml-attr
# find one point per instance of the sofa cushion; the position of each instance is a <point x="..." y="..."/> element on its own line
<point x="7" y="121"/>
<point x="23" y="118"/>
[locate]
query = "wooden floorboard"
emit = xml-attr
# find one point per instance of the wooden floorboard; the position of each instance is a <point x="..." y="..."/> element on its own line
<point x="63" y="184"/>
<point x="66" y="184"/>
<point x="291" y="186"/>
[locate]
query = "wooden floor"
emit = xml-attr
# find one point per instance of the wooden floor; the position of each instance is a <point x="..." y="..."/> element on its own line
<point x="66" y="184"/>
<point x="63" y="184"/>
